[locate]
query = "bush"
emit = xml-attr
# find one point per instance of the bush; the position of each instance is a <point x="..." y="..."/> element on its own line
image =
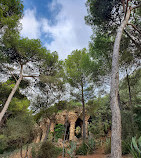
<point x="3" y="143"/>
<point x="34" y="152"/>
<point x="71" y="151"/>
<point x="86" y="148"/>
<point x="125" y="146"/>
<point x="48" y="150"/>
<point x="59" y="131"/>
<point x="107" y="146"/>
<point x="91" y="145"/>
<point x="82" y="150"/>
<point x="136" y="147"/>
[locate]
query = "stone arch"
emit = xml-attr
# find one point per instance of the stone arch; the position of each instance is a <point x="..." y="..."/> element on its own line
<point x="90" y="120"/>
<point x="78" y="126"/>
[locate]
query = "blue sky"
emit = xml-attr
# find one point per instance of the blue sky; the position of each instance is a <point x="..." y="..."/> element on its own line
<point x="59" y="24"/>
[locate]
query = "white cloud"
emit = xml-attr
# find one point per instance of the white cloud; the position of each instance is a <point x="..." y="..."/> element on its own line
<point x="30" y="25"/>
<point x="69" y="33"/>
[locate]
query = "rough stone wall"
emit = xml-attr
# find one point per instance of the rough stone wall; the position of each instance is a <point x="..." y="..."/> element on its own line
<point x="60" y="118"/>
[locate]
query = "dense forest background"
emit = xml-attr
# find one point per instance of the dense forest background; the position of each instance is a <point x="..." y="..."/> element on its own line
<point x="36" y="84"/>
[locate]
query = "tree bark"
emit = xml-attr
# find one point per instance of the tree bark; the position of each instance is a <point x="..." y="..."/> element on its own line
<point x="11" y="95"/>
<point x="83" y="104"/>
<point x="21" y="149"/>
<point x="26" y="155"/>
<point x="46" y="137"/>
<point x="116" y="151"/>
<point x="4" y="119"/>
<point x="66" y="125"/>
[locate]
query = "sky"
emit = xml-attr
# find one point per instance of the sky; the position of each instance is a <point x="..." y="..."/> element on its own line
<point x="59" y="24"/>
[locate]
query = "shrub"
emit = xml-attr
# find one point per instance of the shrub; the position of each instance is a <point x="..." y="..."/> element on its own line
<point x="71" y="151"/>
<point x="19" y="130"/>
<point x="107" y="146"/>
<point x="59" y="131"/>
<point x="82" y="150"/>
<point x="91" y="145"/>
<point x="125" y="146"/>
<point x="136" y="147"/>
<point x="48" y="150"/>
<point x="34" y="152"/>
<point x="78" y="131"/>
<point x="3" y="143"/>
<point x="86" y="148"/>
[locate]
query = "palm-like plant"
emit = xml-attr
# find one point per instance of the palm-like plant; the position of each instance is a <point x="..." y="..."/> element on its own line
<point x="136" y="147"/>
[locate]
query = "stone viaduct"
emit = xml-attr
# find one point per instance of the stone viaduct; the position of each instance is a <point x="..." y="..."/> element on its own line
<point x="73" y="118"/>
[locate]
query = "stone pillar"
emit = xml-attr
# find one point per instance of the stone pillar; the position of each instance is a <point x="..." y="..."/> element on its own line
<point x="72" y="117"/>
<point x="44" y="131"/>
<point x="72" y="130"/>
<point x="43" y="126"/>
<point x="38" y="138"/>
<point x="52" y="127"/>
<point x="37" y="133"/>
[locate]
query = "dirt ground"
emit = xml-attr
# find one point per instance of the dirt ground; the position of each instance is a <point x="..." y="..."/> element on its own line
<point x="99" y="156"/>
<point x="93" y="156"/>
<point x="99" y="153"/>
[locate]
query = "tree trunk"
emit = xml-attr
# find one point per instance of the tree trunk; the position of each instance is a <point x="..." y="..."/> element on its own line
<point x="83" y="104"/>
<point x="21" y="149"/>
<point x="11" y="95"/>
<point x="4" y="119"/>
<point x="130" y="103"/>
<point x="46" y="137"/>
<point x="66" y="125"/>
<point x="116" y="151"/>
<point x="26" y="155"/>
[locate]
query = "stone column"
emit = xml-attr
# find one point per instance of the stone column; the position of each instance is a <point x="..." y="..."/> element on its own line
<point x="44" y="131"/>
<point x="38" y="138"/>
<point x="43" y="126"/>
<point x="72" y="130"/>
<point x="72" y="117"/>
<point x="52" y="127"/>
<point x="37" y="133"/>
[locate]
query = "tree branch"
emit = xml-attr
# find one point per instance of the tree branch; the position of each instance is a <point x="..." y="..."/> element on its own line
<point x="134" y="27"/>
<point x="32" y="89"/>
<point x="123" y="3"/>
<point x="126" y="8"/>
<point x="30" y="76"/>
<point x="9" y="71"/>
<point x="135" y="40"/>
<point x="137" y="6"/>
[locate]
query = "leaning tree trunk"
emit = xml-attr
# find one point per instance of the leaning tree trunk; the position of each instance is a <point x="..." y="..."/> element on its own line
<point x="11" y="95"/>
<point x="116" y="151"/>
